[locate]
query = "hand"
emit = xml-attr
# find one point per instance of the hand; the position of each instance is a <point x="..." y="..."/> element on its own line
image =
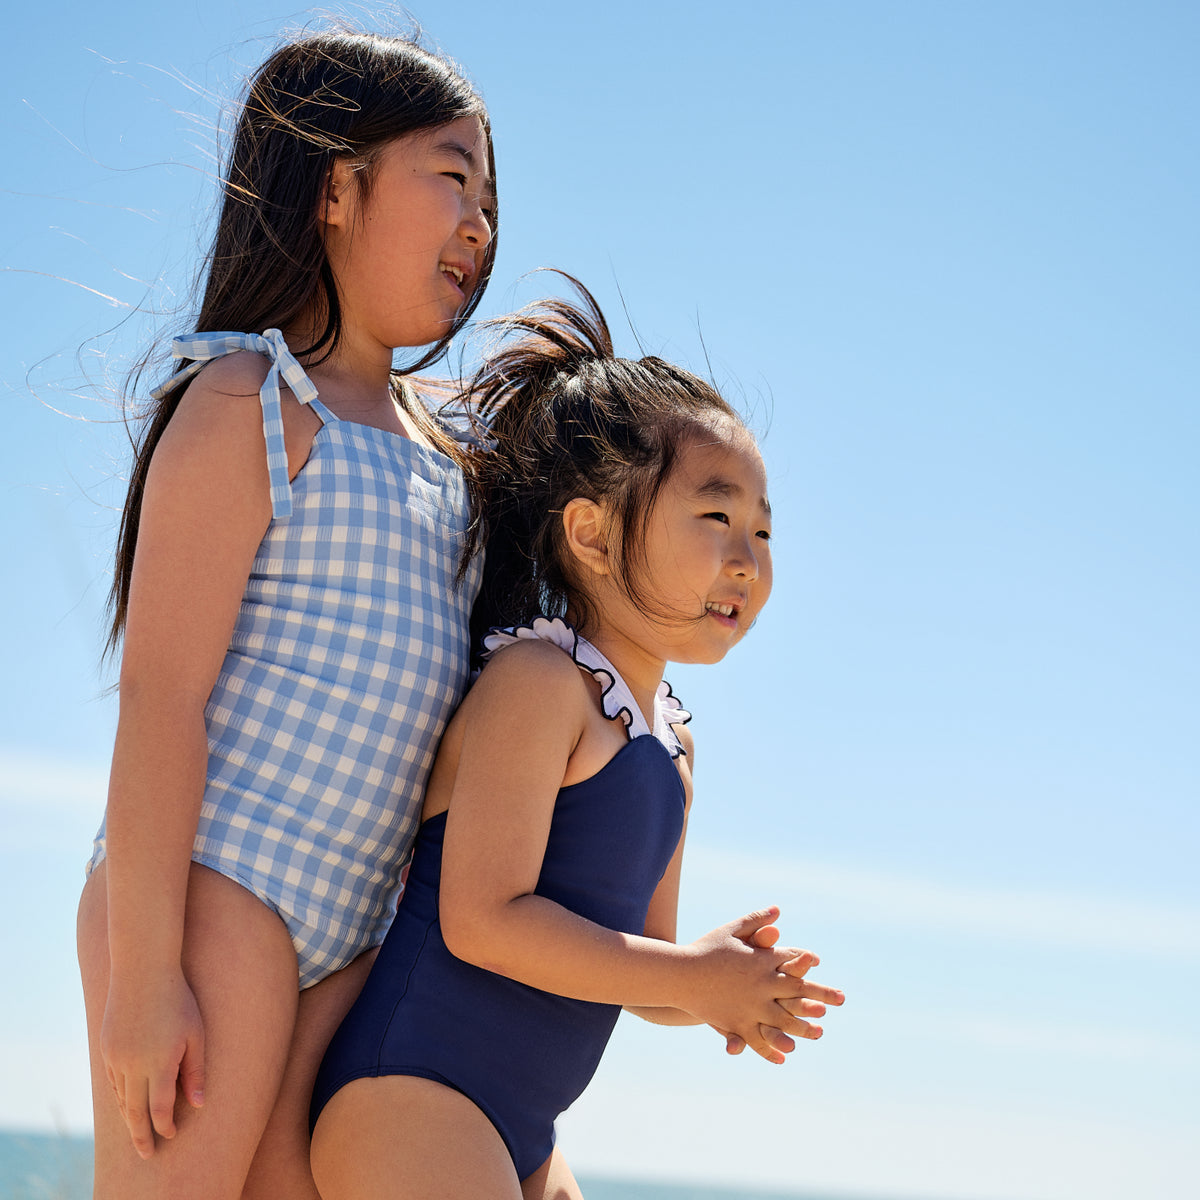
<point x="744" y="977"/>
<point x="812" y="1002"/>
<point x="150" y="1042"/>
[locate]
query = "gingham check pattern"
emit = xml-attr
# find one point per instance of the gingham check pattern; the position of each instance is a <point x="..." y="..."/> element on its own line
<point x="203" y="347"/>
<point x="348" y="657"/>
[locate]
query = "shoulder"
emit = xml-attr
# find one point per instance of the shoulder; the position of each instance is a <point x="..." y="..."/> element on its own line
<point x="224" y="394"/>
<point x="530" y="698"/>
<point x="536" y="666"/>
<point x="221" y="412"/>
<point x="532" y="682"/>
<point x="240" y="373"/>
<point x="233" y="382"/>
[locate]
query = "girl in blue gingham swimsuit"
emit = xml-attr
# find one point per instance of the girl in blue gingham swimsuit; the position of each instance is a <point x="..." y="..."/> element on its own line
<point x="293" y="633"/>
<point x="348" y="657"/>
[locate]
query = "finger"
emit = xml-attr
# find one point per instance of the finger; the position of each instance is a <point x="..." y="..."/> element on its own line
<point x="162" y="1105"/>
<point x="119" y="1100"/>
<point x="733" y="1043"/>
<point x="819" y="992"/>
<point x="191" y="1071"/>
<point x="765" y="937"/>
<point x="798" y="1025"/>
<point x="764" y="1049"/>
<point x="807" y="1008"/>
<point x="117" y="1090"/>
<point x="137" y="1118"/>
<point x="777" y="1039"/>
<point x="745" y="927"/>
<point x="801" y="962"/>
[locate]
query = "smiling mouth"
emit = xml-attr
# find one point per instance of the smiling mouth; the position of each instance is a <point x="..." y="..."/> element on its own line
<point x="452" y="270"/>
<point x="721" y="610"/>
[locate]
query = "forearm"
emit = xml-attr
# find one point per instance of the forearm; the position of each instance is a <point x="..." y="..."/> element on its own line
<point x="663" y="1016"/>
<point x="540" y="943"/>
<point x="156" y="785"/>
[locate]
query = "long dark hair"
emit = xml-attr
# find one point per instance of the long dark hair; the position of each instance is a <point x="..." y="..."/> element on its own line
<point x="571" y="420"/>
<point x="320" y="97"/>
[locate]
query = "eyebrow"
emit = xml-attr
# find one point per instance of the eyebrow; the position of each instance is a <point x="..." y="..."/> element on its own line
<point x="725" y="489"/>
<point x="464" y="152"/>
<point x="471" y="159"/>
<point x="456" y="148"/>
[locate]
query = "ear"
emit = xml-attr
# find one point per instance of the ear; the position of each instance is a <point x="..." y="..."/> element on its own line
<point x="584" y="526"/>
<point x="336" y="198"/>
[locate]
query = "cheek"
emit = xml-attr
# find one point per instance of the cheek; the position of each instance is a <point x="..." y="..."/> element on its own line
<point x="419" y="226"/>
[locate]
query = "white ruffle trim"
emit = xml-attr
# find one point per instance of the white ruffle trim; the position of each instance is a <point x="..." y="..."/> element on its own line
<point x="616" y="699"/>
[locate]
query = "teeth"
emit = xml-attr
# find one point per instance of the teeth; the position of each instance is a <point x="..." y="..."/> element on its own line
<point x="726" y="610"/>
<point x="452" y="270"/>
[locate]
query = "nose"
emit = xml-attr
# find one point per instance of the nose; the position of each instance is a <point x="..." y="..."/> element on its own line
<point x="476" y="228"/>
<point x="743" y="561"/>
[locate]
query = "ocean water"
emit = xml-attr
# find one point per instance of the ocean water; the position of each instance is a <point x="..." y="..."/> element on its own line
<point x="635" y="1189"/>
<point x="47" y="1166"/>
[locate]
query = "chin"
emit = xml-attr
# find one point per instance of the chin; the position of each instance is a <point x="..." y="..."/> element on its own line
<point x="702" y="658"/>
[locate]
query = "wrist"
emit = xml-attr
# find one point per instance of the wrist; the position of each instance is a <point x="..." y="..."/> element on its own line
<point x="143" y="951"/>
<point x="690" y="982"/>
<point x="137" y="971"/>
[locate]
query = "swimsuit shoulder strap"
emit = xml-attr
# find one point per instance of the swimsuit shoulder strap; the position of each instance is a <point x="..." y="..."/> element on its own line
<point x="202" y="348"/>
<point x="616" y="698"/>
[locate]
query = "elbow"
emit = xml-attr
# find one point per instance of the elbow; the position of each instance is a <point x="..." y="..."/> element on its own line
<point x="140" y="690"/>
<point x="469" y="935"/>
<point x="459" y="939"/>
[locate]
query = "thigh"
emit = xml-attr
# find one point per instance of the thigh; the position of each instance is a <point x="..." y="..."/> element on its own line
<point x="240" y="964"/>
<point x="403" y="1138"/>
<point x="281" y="1165"/>
<point x="551" y="1181"/>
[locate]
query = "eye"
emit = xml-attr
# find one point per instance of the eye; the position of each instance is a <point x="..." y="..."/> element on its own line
<point x="458" y="177"/>
<point x="765" y="534"/>
<point x="717" y="516"/>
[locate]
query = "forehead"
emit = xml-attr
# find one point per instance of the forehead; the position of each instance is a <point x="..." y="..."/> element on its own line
<point x="463" y="138"/>
<point x="723" y="462"/>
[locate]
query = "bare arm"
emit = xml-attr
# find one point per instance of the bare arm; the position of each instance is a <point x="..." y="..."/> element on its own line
<point x="527" y="715"/>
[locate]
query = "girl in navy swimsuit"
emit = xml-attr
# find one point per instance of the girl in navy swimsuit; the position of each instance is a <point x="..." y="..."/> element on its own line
<point x="625" y="516"/>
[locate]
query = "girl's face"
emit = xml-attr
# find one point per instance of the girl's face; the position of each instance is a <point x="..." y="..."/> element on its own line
<point x="407" y="255"/>
<point x="707" y="555"/>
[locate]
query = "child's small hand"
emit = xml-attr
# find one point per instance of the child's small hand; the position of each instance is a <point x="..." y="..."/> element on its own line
<point x="740" y="986"/>
<point x="151" y="1044"/>
<point x="811" y="1003"/>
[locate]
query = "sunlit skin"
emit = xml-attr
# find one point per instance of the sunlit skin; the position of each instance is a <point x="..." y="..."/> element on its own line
<point x="203" y="1054"/>
<point x="406" y="251"/>
<point x="707" y="550"/>
<point x="532" y="724"/>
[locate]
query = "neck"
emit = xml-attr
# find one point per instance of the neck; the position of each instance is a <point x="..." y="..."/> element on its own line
<point x="357" y="365"/>
<point x="642" y="672"/>
<point x="355" y="382"/>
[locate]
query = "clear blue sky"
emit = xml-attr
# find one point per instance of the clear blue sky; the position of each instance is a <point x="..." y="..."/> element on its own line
<point x="946" y="254"/>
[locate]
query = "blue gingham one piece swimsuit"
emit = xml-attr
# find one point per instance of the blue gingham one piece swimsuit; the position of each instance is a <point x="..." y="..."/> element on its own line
<point x="349" y="654"/>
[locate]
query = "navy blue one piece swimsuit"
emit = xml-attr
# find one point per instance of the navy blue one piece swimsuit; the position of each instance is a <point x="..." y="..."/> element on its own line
<point x="520" y="1054"/>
